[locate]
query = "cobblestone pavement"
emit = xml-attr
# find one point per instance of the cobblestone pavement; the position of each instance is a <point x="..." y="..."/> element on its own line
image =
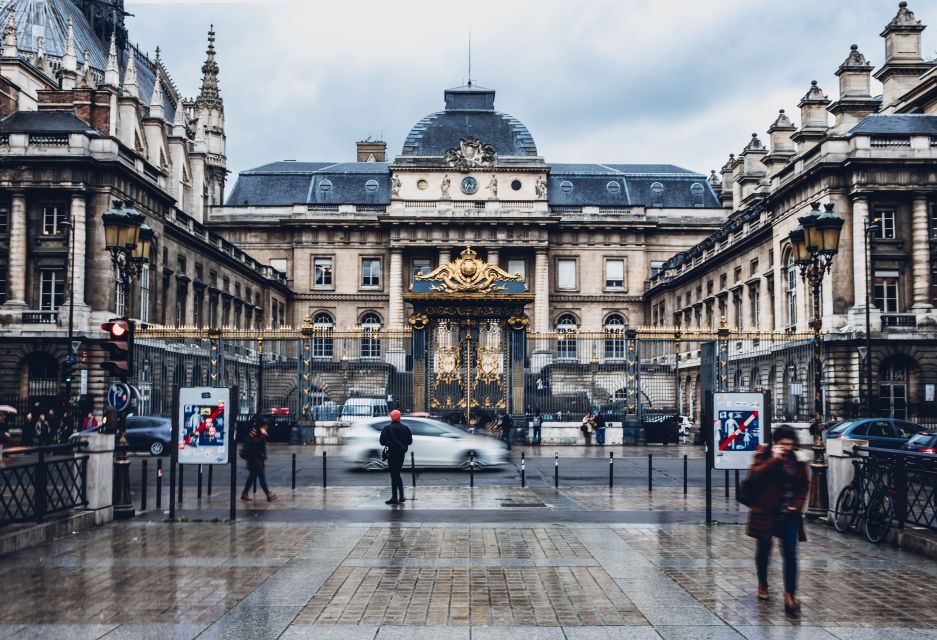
<point x="510" y="578"/>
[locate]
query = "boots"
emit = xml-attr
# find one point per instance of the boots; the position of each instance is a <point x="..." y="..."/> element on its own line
<point x="245" y="497"/>
<point x="271" y="496"/>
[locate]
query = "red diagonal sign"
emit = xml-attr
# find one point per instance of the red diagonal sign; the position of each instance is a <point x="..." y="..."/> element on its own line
<point x="725" y="443"/>
<point x="203" y="425"/>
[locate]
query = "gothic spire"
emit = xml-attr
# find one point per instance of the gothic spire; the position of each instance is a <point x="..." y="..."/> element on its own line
<point x="130" y="87"/>
<point x="156" y="100"/>
<point x="9" y="35"/>
<point x="209" y="92"/>
<point x="70" y="59"/>
<point x="41" y="62"/>
<point x="112" y="73"/>
<point x="179" y="123"/>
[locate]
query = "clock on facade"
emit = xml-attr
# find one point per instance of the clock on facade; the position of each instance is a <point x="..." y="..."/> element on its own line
<point x="469" y="185"/>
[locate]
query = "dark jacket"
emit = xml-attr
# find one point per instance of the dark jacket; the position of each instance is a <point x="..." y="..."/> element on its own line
<point x="397" y="438"/>
<point x="254" y="452"/>
<point x="767" y="474"/>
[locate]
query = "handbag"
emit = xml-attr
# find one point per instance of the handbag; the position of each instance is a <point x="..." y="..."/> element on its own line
<point x="748" y="492"/>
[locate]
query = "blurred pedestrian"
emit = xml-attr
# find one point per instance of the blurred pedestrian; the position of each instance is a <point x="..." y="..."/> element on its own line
<point x="538" y="426"/>
<point x="396" y="437"/>
<point x="254" y="453"/>
<point x="42" y="433"/>
<point x="90" y="422"/>
<point x="55" y="423"/>
<point x="507" y="428"/>
<point x="779" y="484"/>
<point x="587" y="427"/>
<point x="28" y="430"/>
<point x="599" y="421"/>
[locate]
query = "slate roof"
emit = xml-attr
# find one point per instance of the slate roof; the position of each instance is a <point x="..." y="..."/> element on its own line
<point x="469" y="113"/>
<point x="314" y="184"/>
<point x="623" y="185"/>
<point x="897" y="124"/>
<point x="44" y="122"/>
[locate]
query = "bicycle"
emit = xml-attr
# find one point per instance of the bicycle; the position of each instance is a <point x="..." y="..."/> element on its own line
<point x="880" y="510"/>
<point x="851" y="504"/>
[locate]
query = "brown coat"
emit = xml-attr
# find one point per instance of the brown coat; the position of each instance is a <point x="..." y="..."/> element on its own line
<point x="766" y="472"/>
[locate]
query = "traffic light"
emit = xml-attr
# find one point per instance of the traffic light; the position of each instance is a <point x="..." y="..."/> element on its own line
<point x="118" y="345"/>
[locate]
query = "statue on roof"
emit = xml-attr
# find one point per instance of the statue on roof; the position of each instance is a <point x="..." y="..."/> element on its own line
<point x="540" y="188"/>
<point x="444" y="187"/>
<point x="470" y="153"/>
<point x="395" y="185"/>
<point x="493" y="186"/>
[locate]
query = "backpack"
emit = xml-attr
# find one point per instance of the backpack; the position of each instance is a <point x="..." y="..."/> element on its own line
<point x="748" y="492"/>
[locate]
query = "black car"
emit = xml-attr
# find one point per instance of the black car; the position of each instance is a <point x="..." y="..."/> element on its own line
<point x="149" y="433"/>
<point x="925" y="442"/>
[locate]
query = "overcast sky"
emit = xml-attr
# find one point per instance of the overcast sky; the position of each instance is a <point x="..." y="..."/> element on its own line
<point x="616" y="81"/>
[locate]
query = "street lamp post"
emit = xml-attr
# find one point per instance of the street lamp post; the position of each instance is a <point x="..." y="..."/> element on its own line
<point x="70" y="359"/>
<point x="130" y="243"/>
<point x="814" y="243"/>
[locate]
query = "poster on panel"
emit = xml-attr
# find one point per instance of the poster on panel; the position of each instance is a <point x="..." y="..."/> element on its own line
<point x="738" y="428"/>
<point x="203" y="425"/>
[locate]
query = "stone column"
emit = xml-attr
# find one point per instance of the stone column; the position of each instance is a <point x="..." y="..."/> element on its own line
<point x="860" y="218"/>
<point x="542" y="293"/>
<point x="920" y="255"/>
<point x="395" y="290"/>
<point x="493" y="257"/>
<point x="444" y="257"/>
<point x="79" y="241"/>
<point x="16" y="274"/>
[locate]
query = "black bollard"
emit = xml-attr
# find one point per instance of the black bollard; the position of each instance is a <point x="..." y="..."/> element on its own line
<point x="650" y="472"/>
<point x="159" y="484"/>
<point x="293" y="480"/>
<point x="727" y="483"/>
<point x="611" y="469"/>
<point x="210" y="468"/>
<point x="199" y="489"/>
<point x="556" y="470"/>
<point x="324" y="471"/>
<point x="471" y="468"/>
<point x="684" y="473"/>
<point x="413" y="470"/>
<point x="523" y="471"/>
<point x="736" y="483"/>
<point x="181" y="469"/>
<point x="143" y="487"/>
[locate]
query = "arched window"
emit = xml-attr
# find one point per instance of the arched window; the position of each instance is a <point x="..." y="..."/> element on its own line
<point x="566" y="347"/>
<point x="893" y="389"/>
<point x="322" y="345"/>
<point x="370" y="347"/>
<point x="790" y="288"/>
<point x="615" y="342"/>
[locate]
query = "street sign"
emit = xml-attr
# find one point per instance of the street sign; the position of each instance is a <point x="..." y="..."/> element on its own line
<point x="118" y="396"/>
<point x="75" y="345"/>
<point x="70" y="360"/>
<point x="83" y="385"/>
<point x="203" y="425"/>
<point x="738" y="428"/>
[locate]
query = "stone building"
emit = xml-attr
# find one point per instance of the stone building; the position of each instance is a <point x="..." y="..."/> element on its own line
<point x="875" y="162"/>
<point x="86" y="119"/>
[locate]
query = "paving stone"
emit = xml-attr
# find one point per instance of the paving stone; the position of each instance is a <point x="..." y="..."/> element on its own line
<point x="61" y="631"/>
<point x="329" y="632"/>
<point x="155" y="632"/>
<point x="611" y="633"/>
<point x="425" y="633"/>
<point x="517" y="633"/>
<point x="689" y="632"/>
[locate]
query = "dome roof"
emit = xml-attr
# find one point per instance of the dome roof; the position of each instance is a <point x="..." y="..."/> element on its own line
<point x="470" y="112"/>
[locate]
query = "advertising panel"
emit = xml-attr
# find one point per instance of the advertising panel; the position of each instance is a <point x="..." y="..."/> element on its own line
<point x="738" y="428"/>
<point x="203" y="425"/>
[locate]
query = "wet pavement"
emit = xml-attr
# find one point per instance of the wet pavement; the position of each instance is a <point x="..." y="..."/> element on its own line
<point x="491" y="562"/>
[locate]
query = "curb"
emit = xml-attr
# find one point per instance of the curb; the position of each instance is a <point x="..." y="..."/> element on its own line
<point x="36" y="534"/>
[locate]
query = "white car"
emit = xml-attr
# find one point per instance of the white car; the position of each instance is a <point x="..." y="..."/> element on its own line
<point x="435" y="444"/>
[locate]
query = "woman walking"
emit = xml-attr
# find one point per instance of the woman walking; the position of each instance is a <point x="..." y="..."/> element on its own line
<point x="254" y="452"/>
<point x="780" y="482"/>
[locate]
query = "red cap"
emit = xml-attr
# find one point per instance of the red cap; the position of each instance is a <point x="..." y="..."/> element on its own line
<point x="395" y="415"/>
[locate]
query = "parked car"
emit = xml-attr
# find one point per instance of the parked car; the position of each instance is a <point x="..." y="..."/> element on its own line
<point x="925" y="442"/>
<point x="364" y="408"/>
<point x="149" y="433"/>
<point x="884" y="433"/>
<point x="435" y="444"/>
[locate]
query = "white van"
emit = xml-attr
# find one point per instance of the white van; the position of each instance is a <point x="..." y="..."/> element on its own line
<point x="364" y="408"/>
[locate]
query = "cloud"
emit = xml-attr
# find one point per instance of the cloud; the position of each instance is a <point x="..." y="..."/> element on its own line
<point x="595" y="80"/>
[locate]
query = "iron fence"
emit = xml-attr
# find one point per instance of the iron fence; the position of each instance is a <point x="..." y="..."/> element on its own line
<point x="912" y="479"/>
<point x="48" y="480"/>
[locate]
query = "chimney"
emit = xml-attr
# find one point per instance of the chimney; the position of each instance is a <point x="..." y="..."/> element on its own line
<point x="371" y="150"/>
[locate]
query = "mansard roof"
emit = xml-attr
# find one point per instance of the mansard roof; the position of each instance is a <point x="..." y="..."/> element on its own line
<point x="313" y="183"/>
<point x="624" y="185"/>
<point x="470" y="112"/>
<point x="45" y="122"/>
<point x="897" y="124"/>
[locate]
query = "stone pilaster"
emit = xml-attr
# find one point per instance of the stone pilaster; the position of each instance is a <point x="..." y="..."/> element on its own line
<point x="493" y="257"/>
<point x="920" y="255"/>
<point x="395" y="290"/>
<point x="79" y="249"/>
<point x="860" y="218"/>
<point x="542" y="293"/>
<point x="18" y="243"/>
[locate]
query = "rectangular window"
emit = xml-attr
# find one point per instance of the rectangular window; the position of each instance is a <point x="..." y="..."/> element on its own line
<point x="181" y="265"/>
<point x="53" y="215"/>
<point x="322" y="272"/>
<point x="199" y="272"/>
<point x="213" y="278"/>
<point x="119" y="300"/>
<point x="518" y="266"/>
<point x="722" y="281"/>
<point x="51" y="289"/>
<point x="770" y="257"/>
<point x="225" y="284"/>
<point x="197" y="310"/>
<point x="615" y="274"/>
<point x="737" y="310"/>
<point x="886" y="294"/>
<point x="754" y="267"/>
<point x="145" y="293"/>
<point x="883" y="224"/>
<point x="182" y="296"/>
<point x="370" y="272"/>
<point x="755" y="306"/>
<point x="738" y="274"/>
<point x="566" y="274"/>
<point x="421" y="266"/>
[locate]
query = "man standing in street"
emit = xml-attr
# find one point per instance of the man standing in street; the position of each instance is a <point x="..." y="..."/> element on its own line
<point x="397" y="438"/>
<point x="599" y="427"/>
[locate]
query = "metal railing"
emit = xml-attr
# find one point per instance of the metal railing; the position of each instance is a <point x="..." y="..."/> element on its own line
<point x="913" y="478"/>
<point x="906" y="320"/>
<point x="40" y="317"/>
<point x="48" y="480"/>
